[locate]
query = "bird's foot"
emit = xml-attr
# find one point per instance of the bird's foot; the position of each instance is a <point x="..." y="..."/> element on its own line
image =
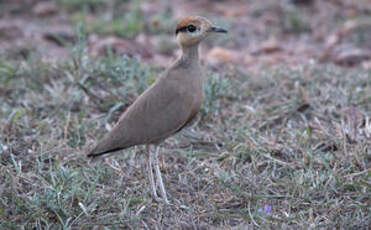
<point x="166" y="201"/>
<point x="160" y="200"/>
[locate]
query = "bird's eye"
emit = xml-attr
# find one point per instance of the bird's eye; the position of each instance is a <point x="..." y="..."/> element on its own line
<point x="191" y="28"/>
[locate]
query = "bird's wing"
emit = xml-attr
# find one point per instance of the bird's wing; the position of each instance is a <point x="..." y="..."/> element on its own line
<point x="158" y="113"/>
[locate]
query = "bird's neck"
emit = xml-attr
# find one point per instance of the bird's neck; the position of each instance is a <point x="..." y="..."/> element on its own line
<point x="189" y="55"/>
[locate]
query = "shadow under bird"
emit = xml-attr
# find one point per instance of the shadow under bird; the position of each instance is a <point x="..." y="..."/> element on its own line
<point x="171" y="103"/>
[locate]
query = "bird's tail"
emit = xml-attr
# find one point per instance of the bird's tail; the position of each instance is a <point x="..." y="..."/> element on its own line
<point x="94" y="154"/>
<point x="110" y="143"/>
<point x="103" y="148"/>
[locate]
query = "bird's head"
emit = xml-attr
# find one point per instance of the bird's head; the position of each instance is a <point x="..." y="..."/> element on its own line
<point x="193" y="29"/>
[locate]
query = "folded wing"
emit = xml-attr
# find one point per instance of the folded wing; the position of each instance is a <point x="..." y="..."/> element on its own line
<point x="158" y="113"/>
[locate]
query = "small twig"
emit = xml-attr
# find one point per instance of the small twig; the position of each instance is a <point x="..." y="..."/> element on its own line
<point x="89" y="93"/>
<point x="276" y="160"/>
<point x="252" y="218"/>
<point x="358" y="173"/>
<point x="66" y="126"/>
<point x="145" y="225"/>
<point x="140" y="210"/>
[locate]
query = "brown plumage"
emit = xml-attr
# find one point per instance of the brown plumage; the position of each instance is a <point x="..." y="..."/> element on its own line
<point x="190" y="20"/>
<point x="168" y="105"/>
<point x="163" y="109"/>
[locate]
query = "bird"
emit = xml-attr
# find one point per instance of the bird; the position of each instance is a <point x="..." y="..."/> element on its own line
<point x="166" y="107"/>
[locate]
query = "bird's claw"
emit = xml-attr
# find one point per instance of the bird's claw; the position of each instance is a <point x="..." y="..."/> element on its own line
<point x="160" y="200"/>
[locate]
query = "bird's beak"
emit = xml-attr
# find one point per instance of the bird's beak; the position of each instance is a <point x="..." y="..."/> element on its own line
<point x="218" y="30"/>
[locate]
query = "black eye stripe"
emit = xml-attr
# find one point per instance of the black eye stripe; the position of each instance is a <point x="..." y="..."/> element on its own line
<point x="181" y="29"/>
<point x="190" y="28"/>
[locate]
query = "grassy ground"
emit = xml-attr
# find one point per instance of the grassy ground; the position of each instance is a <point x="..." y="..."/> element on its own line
<point x="281" y="146"/>
<point x="284" y="148"/>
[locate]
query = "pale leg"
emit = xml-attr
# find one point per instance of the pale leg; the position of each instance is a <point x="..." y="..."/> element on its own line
<point x="159" y="177"/>
<point x="150" y="173"/>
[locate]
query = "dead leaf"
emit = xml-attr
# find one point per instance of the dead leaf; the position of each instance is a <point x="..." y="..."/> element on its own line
<point x="353" y="120"/>
<point x="270" y="46"/>
<point x="267" y="47"/>
<point x="60" y="37"/>
<point x="45" y="9"/>
<point x="332" y="40"/>
<point x="351" y="57"/>
<point x="219" y="55"/>
<point x="10" y="32"/>
<point x="366" y="65"/>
